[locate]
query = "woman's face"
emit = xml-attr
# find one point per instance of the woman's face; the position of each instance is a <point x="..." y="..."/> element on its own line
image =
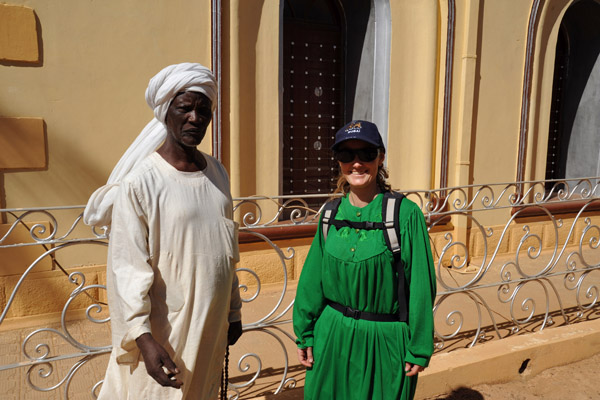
<point x="188" y="117"/>
<point x="360" y="174"/>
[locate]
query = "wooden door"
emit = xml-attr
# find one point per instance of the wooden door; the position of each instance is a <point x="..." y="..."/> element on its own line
<point x="313" y="107"/>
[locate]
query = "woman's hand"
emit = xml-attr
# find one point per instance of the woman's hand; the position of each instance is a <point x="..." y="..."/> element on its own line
<point x="305" y="356"/>
<point x="158" y="362"/>
<point x="413" y="369"/>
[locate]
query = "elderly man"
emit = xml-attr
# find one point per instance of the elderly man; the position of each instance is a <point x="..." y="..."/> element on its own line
<point x="172" y="289"/>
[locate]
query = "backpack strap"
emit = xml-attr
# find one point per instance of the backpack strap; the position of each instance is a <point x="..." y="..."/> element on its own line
<point x="390" y="225"/>
<point x="390" y="214"/>
<point x="329" y="211"/>
<point x="366" y="225"/>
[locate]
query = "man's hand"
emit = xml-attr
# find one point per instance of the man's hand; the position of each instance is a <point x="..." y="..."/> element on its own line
<point x="234" y="332"/>
<point x="413" y="369"/>
<point x="305" y="356"/>
<point x="158" y="363"/>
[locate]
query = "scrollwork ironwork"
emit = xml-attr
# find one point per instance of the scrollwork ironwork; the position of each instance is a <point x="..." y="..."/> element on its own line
<point x="525" y="275"/>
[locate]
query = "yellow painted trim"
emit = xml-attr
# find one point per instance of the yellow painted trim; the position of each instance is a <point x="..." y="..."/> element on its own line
<point x="18" y="34"/>
<point x="22" y="144"/>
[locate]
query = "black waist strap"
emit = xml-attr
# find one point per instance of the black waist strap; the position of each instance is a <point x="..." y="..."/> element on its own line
<point x="356" y="314"/>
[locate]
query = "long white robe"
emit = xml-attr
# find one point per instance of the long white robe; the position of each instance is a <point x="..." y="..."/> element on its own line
<point x="172" y="252"/>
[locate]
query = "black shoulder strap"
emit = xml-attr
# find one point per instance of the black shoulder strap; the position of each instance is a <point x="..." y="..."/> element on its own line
<point x="329" y="210"/>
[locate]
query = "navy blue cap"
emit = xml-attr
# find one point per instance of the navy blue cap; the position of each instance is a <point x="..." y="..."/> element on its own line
<point x="360" y="130"/>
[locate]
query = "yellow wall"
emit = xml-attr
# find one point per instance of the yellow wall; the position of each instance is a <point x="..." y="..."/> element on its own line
<point x="490" y="41"/>
<point x="251" y="95"/>
<point x="412" y="93"/>
<point x="499" y="77"/>
<point x="488" y="78"/>
<point x="486" y="92"/>
<point x="96" y="60"/>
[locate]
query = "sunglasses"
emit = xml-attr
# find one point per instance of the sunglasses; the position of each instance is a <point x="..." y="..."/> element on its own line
<point x="366" y="154"/>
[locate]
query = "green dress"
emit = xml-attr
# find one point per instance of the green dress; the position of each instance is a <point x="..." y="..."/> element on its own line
<point x="360" y="359"/>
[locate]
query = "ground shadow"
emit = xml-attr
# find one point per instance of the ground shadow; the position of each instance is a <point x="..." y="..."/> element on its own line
<point x="462" y="393"/>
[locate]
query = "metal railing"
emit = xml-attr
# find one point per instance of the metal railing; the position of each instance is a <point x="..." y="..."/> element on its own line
<point x="510" y="258"/>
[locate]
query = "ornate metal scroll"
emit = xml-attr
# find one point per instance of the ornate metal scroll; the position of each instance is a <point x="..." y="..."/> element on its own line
<point x="542" y="268"/>
<point x="510" y="258"/>
<point x="44" y="353"/>
<point x="43" y="359"/>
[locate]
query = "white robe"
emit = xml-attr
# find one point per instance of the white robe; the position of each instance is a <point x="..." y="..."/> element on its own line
<point x="172" y="252"/>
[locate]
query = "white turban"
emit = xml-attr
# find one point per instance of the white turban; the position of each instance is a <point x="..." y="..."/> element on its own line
<point x="162" y="89"/>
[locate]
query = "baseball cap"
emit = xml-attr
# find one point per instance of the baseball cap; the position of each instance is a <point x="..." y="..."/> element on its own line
<point x="360" y="130"/>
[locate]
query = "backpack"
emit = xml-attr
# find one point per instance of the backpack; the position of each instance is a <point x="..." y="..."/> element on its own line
<point x="391" y="232"/>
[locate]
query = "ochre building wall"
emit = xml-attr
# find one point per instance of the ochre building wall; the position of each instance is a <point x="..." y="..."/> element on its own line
<point x="73" y="75"/>
<point x="88" y="86"/>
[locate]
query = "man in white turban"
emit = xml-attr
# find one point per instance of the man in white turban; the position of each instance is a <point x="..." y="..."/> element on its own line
<point x="172" y="289"/>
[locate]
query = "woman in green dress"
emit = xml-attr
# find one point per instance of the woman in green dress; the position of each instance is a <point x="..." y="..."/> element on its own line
<point x="351" y="335"/>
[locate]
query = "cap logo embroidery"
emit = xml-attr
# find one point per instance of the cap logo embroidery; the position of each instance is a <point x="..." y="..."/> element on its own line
<point x="353" y="127"/>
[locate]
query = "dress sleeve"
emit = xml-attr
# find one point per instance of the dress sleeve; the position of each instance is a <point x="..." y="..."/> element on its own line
<point x="132" y="274"/>
<point x="420" y="275"/>
<point x="310" y="300"/>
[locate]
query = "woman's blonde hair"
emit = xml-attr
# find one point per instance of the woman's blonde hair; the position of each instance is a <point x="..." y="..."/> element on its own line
<point x="343" y="186"/>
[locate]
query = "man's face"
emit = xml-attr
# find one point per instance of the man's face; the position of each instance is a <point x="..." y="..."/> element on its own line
<point x="188" y="117"/>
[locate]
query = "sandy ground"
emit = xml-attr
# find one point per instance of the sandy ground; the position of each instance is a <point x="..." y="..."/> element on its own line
<point x="577" y="381"/>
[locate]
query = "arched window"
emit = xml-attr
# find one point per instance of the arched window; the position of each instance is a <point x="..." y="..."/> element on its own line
<point x="574" y="132"/>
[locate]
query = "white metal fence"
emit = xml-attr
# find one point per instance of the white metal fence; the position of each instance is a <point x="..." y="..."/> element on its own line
<point x="510" y="258"/>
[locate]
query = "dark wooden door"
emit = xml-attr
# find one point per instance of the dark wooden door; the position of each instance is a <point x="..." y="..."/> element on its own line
<point x="313" y="107"/>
